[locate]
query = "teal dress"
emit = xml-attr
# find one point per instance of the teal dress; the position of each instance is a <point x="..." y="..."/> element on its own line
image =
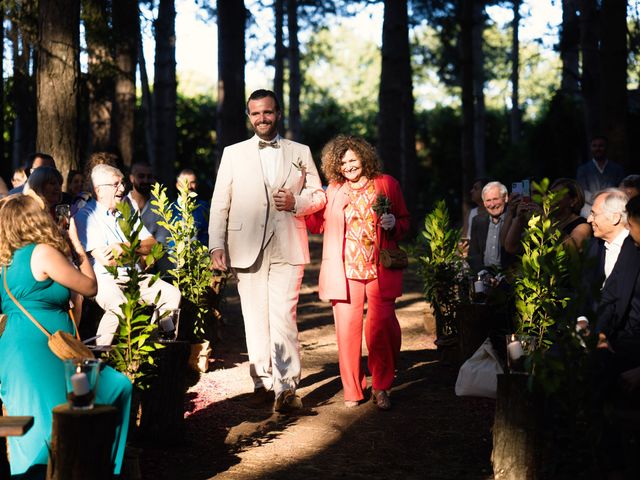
<point x="32" y="377"/>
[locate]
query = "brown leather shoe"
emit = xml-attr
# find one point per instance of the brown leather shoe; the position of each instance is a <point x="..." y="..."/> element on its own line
<point x="260" y="397"/>
<point x="381" y="399"/>
<point x="287" y="402"/>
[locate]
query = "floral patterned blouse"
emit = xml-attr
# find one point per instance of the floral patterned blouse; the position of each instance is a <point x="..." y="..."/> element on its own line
<point x="360" y="233"/>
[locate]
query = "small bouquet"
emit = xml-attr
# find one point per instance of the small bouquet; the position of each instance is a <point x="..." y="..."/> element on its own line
<point x="382" y="205"/>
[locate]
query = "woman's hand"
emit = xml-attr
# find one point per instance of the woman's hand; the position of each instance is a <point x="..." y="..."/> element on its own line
<point x="387" y="221"/>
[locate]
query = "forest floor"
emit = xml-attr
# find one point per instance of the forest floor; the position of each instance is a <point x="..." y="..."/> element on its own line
<point x="429" y="433"/>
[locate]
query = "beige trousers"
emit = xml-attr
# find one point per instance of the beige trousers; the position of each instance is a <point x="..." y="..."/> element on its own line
<point x="269" y="291"/>
<point x="110" y="297"/>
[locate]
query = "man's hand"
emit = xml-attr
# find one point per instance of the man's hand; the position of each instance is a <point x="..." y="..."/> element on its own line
<point x="603" y="342"/>
<point x="219" y="259"/>
<point x="284" y="200"/>
<point x="107" y="255"/>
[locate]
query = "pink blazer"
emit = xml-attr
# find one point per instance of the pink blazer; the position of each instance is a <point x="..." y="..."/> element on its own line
<point x="330" y="220"/>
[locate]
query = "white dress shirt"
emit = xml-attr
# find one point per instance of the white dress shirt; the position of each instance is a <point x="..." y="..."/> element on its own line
<point x="269" y="159"/>
<point x="612" y="250"/>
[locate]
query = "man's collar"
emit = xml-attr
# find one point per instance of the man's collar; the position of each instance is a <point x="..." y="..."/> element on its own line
<point x="618" y="240"/>
<point x="257" y="139"/>
<point x="597" y="165"/>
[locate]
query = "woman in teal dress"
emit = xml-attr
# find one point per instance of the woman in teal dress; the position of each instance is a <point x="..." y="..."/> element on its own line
<point x="34" y="259"/>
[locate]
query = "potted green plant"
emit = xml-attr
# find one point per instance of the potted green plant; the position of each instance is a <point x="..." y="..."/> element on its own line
<point x="442" y="269"/>
<point x="134" y="342"/>
<point x="191" y="271"/>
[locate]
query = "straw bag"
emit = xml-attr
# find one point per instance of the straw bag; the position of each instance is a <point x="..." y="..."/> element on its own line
<point x="62" y="344"/>
<point x="394" y="258"/>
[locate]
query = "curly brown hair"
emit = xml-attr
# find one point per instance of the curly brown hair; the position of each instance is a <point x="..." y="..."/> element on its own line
<point x="333" y="152"/>
<point x="24" y="222"/>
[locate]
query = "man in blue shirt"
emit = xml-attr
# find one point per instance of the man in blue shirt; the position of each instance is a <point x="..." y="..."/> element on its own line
<point x="102" y="238"/>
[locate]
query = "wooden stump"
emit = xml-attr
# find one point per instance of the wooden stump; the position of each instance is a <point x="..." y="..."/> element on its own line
<point x="516" y="430"/>
<point x="162" y="416"/>
<point x="474" y="323"/>
<point x="81" y="443"/>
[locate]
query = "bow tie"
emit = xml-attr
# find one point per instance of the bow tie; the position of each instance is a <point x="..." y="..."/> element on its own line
<point x="273" y="144"/>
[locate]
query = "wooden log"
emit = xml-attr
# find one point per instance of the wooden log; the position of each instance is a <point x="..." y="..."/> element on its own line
<point x="474" y="324"/>
<point x="15" y="426"/>
<point x="516" y="430"/>
<point x="162" y="417"/>
<point x="81" y="443"/>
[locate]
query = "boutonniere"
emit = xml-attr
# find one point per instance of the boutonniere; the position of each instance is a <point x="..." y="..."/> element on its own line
<point x="299" y="166"/>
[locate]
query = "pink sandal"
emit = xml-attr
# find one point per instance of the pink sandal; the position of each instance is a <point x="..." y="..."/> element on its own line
<point x="381" y="399"/>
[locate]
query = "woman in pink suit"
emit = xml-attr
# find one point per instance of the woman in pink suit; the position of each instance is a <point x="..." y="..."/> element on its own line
<point x="351" y="273"/>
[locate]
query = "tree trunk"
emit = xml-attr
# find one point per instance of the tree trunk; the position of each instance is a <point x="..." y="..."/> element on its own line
<point x="613" y="56"/>
<point x="591" y="70"/>
<point x="5" y="167"/>
<point x="468" y="109"/>
<point x="516" y="115"/>
<point x="126" y="26"/>
<point x="295" y="125"/>
<point x="23" y="89"/>
<point x="58" y="81"/>
<point x="147" y="104"/>
<point x="479" y="130"/>
<point x="278" y="61"/>
<point x="165" y="95"/>
<point x="569" y="47"/>
<point x="81" y="443"/>
<point x="230" y="121"/>
<point x="100" y="81"/>
<point x="516" y="430"/>
<point x="396" y="128"/>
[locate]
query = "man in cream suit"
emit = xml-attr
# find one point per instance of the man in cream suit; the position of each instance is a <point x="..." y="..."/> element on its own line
<point x="264" y="188"/>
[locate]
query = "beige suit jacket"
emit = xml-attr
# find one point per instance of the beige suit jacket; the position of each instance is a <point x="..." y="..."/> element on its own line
<point x="242" y="211"/>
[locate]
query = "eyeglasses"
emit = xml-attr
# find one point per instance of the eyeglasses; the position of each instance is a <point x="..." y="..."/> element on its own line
<point x="114" y="185"/>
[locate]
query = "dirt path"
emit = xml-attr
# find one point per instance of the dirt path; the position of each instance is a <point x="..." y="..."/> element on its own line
<point x="429" y="434"/>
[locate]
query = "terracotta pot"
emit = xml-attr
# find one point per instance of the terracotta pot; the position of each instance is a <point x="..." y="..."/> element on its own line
<point x="199" y="357"/>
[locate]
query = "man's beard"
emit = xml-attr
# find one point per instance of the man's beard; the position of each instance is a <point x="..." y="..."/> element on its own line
<point x="144" y="188"/>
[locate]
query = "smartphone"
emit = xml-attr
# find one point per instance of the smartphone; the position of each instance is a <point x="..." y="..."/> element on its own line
<point x="63" y="215"/>
<point x="523" y="188"/>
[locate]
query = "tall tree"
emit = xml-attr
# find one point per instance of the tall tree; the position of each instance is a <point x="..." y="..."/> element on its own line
<point x="466" y="81"/>
<point x="591" y="67"/>
<point x="58" y="81"/>
<point x="126" y="30"/>
<point x="165" y="94"/>
<point x="231" y="119"/>
<point x="516" y="115"/>
<point x="100" y="81"/>
<point x="23" y="35"/>
<point x="479" y="124"/>
<point x="613" y="56"/>
<point x="295" y="124"/>
<point x="278" y="61"/>
<point x="569" y="47"/>
<point x="396" y="126"/>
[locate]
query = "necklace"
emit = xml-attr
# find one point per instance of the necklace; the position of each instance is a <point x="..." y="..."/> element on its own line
<point x="361" y="183"/>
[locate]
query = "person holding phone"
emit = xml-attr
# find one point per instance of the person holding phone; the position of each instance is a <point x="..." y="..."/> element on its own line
<point x="486" y="249"/>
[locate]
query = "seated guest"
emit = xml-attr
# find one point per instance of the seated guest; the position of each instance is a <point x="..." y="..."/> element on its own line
<point x="102" y="238"/>
<point x="574" y="229"/>
<point x="47" y="183"/>
<point x="608" y="221"/>
<point x="36" y="271"/>
<point x="618" y="336"/>
<point x="485" y="247"/>
<point x="142" y="179"/>
<point x="75" y="180"/>
<point x="630" y="185"/>
<point x="201" y="213"/>
<point x="35" y="161"/>
<point x="19" y="177"/>
<point x="96" y="158"/>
